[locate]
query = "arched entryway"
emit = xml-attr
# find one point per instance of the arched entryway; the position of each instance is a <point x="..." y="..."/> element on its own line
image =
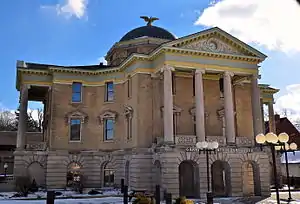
<point x="127" y="173"/>
<point x="73" y="170"/>
<point x="108" y="174"/>
<point x="37" y="172"/>
<point x="189" y="179"/>
<point x="221" y="179"/>
<point x="251" y="179"/>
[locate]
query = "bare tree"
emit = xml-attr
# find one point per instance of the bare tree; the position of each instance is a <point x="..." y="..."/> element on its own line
<point x="7" y="121"/>
<point x="40" y="118"/>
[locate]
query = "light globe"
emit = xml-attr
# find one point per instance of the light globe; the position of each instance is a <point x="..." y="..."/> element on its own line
<point x="199" y="145"/>
<point x="209" y="145"/>
<point x="283" y="137"/>
<point x="286" y="146"/>
<point x="204" y="144"/>
<point x="215" y="145"/>
<point x="260" y="138"/>
<point x="271" y="138"/>
<point x="293" y="146"/>
<point x="277" y="148"/>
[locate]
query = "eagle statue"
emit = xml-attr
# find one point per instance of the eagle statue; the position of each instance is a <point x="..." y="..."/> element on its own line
<point x="149" y="20"/>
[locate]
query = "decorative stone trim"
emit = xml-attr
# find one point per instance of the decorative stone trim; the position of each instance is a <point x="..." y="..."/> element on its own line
<point x="76" y="114"/>
<point x="176" y="110"/>
<point x="192" y="112"/>
<point x="108" y="114"/>
<point x="128" y="111"/>
<point x="34" y="158"/>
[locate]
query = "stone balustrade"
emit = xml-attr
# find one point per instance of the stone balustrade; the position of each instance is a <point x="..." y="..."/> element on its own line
<point x="37" y="146"/>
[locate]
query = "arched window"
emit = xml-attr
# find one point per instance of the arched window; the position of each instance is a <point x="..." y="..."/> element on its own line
<point x="108" y="175"/>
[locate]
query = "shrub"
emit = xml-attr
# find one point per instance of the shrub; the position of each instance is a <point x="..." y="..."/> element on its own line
<point x="141" y="199"/>
<point x="23" y="185"/>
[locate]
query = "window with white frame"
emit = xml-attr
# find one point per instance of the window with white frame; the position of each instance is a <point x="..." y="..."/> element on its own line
<point x="76" y="92"/>
<point x="109" y="91"/>
<point x="75" y="121"/>
<point x="108" y="129"/>
<point x="75" y="129"/>
<point x="108" y="119"/>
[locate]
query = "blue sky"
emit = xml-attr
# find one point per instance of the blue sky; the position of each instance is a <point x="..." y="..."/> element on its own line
<point x="80" y="32"/>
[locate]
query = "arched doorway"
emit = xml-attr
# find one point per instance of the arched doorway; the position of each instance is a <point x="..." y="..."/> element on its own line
<point x="189" y="179"/>
<point x="37" y="172"/>
<point x="127" y="173"/>
<point x="251" y="179"/>
<point x="108" y="175"/>
<point x="221" y="180"/>
<point x="73" y="170"/>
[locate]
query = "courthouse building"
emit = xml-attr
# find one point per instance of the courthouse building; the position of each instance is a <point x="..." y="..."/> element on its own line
<point x="134" y="117"/>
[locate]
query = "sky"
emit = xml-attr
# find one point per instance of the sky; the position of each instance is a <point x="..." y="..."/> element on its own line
<point x="80" y="32"/>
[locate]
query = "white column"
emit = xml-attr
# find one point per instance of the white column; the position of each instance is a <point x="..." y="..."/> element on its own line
<point x="22" y="125"/>
<point x="256" y="107"/>
<point x="272" y="124"/>
<point x="199" y="97"/>
<point x="168" y="104"/>
<point x="228" y="107"/>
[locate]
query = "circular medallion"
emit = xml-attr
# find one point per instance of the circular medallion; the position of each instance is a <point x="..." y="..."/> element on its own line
<point x="212" y="45"/>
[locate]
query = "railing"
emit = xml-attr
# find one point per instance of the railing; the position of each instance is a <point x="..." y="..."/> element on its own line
<point x="36" y="146"/>
<point x="190" y="140"/>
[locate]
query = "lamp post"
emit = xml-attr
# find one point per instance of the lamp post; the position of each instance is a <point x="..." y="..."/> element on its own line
<point x="285" y="148"/>
<point x="208" y="147"/>
<point x="273" y="140"/>
<point x="5" y="169"/>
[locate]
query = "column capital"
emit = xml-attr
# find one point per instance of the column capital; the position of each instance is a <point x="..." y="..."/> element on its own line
<point x="167" y="68"/>
<point x="25" y="86"/>
<point x="200" y="71"/>
<point x="227" y="73"/>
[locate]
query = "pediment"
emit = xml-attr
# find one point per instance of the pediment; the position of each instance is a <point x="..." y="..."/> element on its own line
<point x="217" y="41"/>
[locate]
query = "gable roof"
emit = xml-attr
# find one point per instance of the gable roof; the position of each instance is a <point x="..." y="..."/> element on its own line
<point x="217" y="30"/>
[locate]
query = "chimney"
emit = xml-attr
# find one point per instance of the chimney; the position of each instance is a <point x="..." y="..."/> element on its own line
<point x="101" y="64"/>
<point x="277" y="117"/>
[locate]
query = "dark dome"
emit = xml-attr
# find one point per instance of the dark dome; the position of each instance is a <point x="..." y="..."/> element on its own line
<point x="148" y="31"/>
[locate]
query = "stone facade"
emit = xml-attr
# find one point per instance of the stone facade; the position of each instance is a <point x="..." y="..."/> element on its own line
<point x="162" y="104"/>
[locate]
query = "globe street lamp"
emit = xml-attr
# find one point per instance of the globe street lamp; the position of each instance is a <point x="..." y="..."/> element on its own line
<point x="207" y="147"/>
<point x="285" y="148"/>
<point x="273" y="140"/>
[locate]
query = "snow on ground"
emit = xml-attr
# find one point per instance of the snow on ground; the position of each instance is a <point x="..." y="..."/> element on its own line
<point x="65" y="194"/>
<point x="110" y="200"/>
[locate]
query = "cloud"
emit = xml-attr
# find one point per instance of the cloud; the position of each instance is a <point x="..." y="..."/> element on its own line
<point x="268" y="23"/>
<point x="70" y="8"/>
<point x="102" y="59"/>
<point x="289" y="103"/>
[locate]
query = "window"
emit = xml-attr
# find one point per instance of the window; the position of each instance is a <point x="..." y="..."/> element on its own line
<point x="109" y="91"/>
<point x="108" y="129"/>
<point x="173" y="83"/>
<point x="75" y="130"/>
<point x="76" y="92"/>
<point x="129" y="87"/>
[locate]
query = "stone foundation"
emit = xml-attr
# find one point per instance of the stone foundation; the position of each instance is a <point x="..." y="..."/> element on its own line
<point x="144" y="168"/>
